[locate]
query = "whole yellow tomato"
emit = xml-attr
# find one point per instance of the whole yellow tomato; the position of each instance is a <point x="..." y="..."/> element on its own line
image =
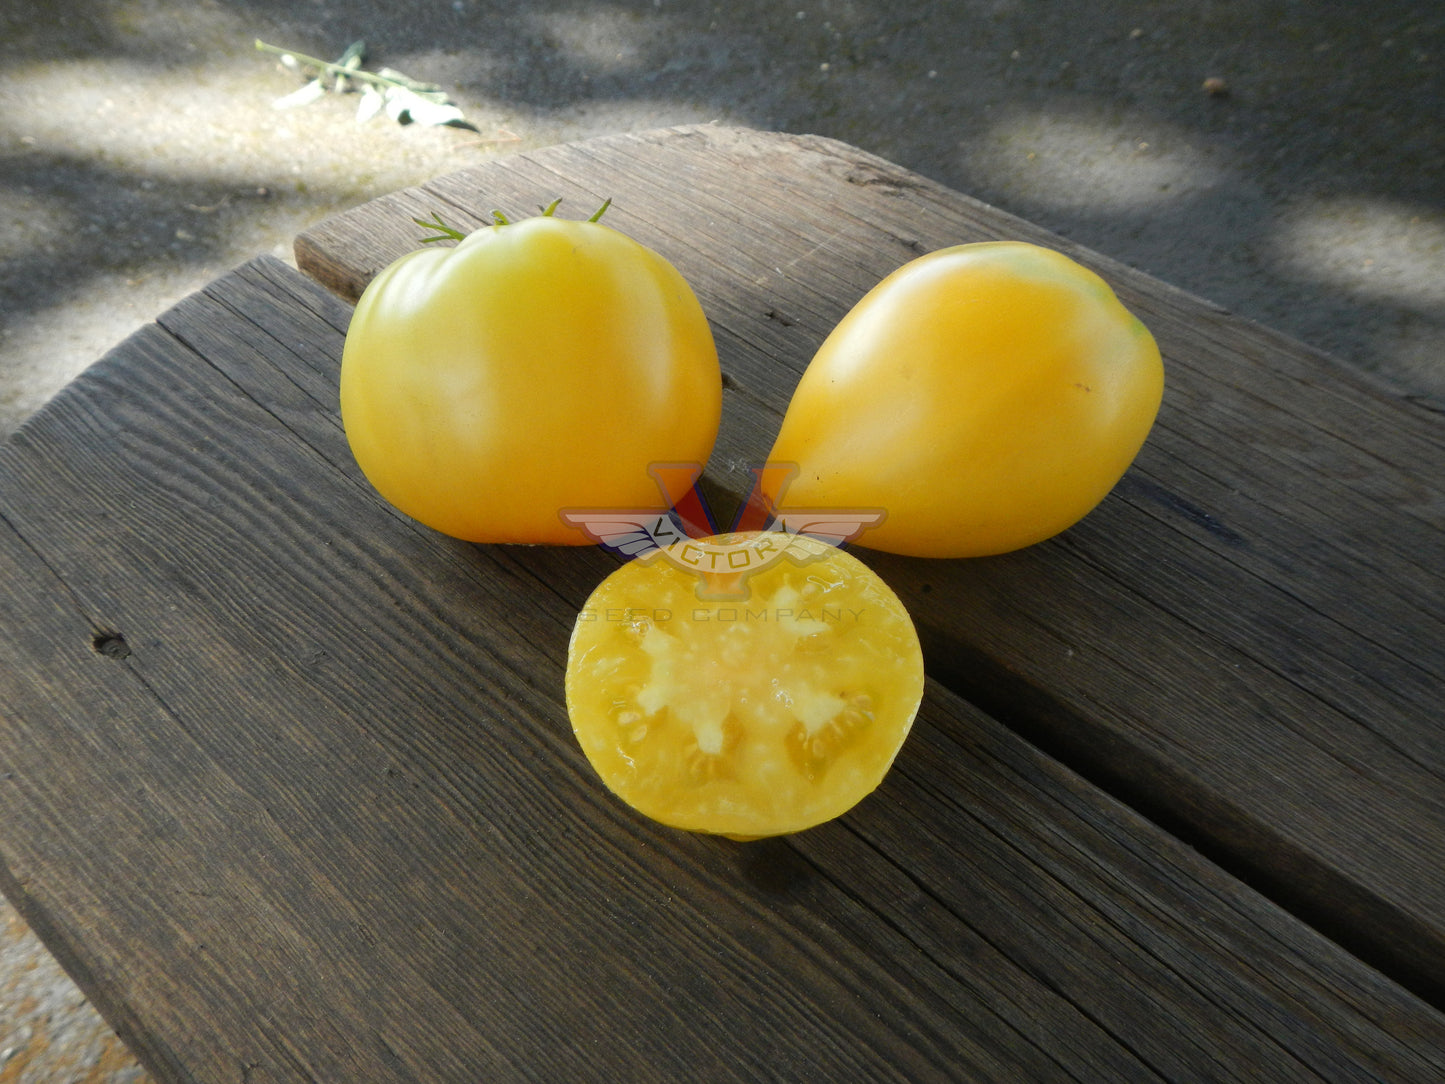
<point x="536" y="367"/>
<point x="755" y="713"/>
<point x="985" y="397"/>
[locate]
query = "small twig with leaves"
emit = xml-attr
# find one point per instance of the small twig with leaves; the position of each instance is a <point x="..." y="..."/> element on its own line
<point x="404" y="99"/>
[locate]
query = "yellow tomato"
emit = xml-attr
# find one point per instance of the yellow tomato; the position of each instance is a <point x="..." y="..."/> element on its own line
<point x="752" y="714"/>
<point x="536" y="367"/>
<point x="985" y="397"/>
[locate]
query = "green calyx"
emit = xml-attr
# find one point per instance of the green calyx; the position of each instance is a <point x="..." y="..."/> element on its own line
<point x="443" y="232"/>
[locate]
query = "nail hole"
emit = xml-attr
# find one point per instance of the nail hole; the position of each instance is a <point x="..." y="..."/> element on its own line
<point x="110" y="644"/>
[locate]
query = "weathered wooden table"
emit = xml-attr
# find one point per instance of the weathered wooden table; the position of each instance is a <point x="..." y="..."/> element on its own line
<point x="287" y="783"/>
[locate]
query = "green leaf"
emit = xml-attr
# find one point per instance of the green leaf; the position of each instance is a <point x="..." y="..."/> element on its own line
<point x="370" y="105"/>
<point x="354" y="55"/>
<point x="349" y="61"/>
<point x="396" y="77"/>
<point x="305" y="96"/>
<point x="408" y="107"/>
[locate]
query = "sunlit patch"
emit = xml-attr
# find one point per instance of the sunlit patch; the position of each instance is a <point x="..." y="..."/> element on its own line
<point x="1372" y="248"/>
<point x="31" y="220"/>
<point x="86" y="109"/>
<point x="1075" y="161"/>
<point x="602" y="40"/>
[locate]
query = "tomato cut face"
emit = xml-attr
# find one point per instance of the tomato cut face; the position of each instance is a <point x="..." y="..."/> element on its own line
<point x="754" y="713"/>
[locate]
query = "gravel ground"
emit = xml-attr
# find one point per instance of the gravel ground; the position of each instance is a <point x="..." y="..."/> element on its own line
<point x="1284" y="159"/>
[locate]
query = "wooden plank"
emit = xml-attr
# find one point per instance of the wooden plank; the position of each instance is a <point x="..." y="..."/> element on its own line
<point x="287" y="782"/>
<point x="1246" y="640"/>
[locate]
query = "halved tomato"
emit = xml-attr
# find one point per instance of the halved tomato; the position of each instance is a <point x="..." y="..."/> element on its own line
<point x="767" y="706"/>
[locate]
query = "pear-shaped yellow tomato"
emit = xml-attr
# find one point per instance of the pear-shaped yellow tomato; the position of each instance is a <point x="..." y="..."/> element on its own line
<point x="761" y="709"/>
<point x="535" y="367"/>
<point x="985" y="397"/>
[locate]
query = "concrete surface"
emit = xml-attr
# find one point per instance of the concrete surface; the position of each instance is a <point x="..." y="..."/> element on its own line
<point x="140" y="157"/>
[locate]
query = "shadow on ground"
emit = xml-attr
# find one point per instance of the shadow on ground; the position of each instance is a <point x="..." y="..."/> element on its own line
<point x="140" y="156"/>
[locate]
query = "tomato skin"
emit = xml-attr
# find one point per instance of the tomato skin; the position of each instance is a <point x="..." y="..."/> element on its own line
<point x="986" y="396"/>
<point x="747" y="716"/>
<point x="538" y="366"/>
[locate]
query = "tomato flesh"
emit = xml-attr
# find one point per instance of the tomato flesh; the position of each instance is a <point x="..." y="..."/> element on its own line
<point x="746" y="716"/>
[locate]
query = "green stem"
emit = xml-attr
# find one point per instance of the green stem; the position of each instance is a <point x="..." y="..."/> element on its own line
<point x="326" y="67"/>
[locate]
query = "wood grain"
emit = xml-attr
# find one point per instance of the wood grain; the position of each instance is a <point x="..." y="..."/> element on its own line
<point x="1246" y="640"/>
<point x="287" y="783"/>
